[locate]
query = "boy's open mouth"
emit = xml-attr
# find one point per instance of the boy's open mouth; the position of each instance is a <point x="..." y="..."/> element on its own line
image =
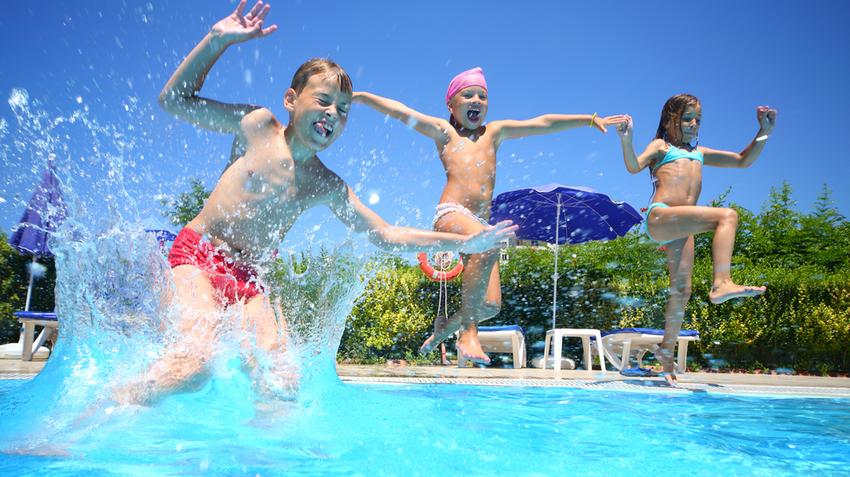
<point x="323" y="128"/>
<point x="473" y="114"/>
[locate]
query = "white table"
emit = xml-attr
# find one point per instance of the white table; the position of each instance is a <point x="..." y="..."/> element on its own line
<point x="556" y="338"/>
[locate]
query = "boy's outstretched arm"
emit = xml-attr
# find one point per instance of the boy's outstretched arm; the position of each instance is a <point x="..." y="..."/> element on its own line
<point x="180" y="97"/>
<point x="635" y="163"/>
<point x="767" y="120"/>
<point x="435" y="128"/>
<point x="352" y="212"/>
<point x="551" y="123"/>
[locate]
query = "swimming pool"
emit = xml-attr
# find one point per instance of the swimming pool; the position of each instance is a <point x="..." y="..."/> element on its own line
<point x="111" y="275"/>
<point x="379" y="429"/>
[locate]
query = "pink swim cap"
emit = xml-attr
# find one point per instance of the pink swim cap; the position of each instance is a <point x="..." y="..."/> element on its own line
<point x="473" y="77"/>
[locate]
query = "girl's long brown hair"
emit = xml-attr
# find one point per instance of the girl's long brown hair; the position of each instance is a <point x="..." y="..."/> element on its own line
<point x="671" y="116"/>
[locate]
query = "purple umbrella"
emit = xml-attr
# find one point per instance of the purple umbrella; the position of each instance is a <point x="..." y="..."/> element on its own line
<point x="45" y="211"/>
<point x="559" y="214"/>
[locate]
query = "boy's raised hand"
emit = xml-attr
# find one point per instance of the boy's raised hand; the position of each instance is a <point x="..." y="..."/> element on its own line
<point x="236" y="27"/>
<point x="490" y="238"/>
<point x="767" y="118"/>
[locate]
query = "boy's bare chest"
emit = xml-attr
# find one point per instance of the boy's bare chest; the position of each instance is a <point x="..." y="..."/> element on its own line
<point x="281" y="182"/>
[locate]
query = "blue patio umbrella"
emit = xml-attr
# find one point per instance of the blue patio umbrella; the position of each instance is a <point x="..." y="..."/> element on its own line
<point x="44" y="212"/>
<point x="559" y="214"/>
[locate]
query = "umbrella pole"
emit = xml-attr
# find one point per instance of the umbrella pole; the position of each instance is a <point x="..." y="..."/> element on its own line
<point x="555" y="275"/>
<point x="29" y="288"/>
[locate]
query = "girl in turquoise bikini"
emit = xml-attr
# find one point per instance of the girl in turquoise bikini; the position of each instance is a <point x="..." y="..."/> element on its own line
<point x="672" y="217"/>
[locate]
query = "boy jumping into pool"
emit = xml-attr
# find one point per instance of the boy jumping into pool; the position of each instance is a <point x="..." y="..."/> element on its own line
<point x="467" y="149"/>
<point x="274" y="176"/>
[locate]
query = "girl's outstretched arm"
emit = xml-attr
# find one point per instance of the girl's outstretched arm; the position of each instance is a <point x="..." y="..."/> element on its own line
<point x="551" y="123"/>
<point x="767" y="120"/>
<point x="635" y="163"/>
<point x="435" y="128"/>
<point x="353" y="213"/>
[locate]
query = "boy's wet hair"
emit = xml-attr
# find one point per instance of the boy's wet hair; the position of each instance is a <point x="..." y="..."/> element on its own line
<point x="324" y="67"/>
<point x="671" y="115"/>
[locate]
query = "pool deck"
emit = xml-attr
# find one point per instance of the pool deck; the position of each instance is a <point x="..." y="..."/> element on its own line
<point x="712" y="383"/>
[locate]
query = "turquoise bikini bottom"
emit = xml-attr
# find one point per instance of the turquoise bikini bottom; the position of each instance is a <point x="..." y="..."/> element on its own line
<point x="646" y="222"/>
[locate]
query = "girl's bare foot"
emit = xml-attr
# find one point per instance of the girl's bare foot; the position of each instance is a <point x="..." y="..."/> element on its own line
<point x="670" y="379"/>
<point x="443" y="328"/>
<point x="728" y="290"/>
<point x="668" y="364"/>
<point x="468" y="347"/>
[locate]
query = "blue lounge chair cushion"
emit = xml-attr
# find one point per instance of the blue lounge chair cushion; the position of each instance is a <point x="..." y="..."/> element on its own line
<point x="648" y="331"/>
<point x="502" y="328"/>
<point x="36" y="315"/>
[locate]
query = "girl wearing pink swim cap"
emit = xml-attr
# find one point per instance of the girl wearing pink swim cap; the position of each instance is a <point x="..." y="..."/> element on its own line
<point x="467" y="148"/>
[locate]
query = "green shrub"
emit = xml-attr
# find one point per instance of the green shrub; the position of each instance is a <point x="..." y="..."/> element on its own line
<point x="394" y="315"/>
<point x="14" y="279"/>
<point x="802" y="322"/>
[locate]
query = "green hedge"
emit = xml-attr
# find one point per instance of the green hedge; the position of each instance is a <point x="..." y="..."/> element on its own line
<point x="803" y="321"/>
<point x="14" y="279"/>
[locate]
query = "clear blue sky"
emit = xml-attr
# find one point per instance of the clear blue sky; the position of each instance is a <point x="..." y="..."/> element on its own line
<point x="539" y="57"/>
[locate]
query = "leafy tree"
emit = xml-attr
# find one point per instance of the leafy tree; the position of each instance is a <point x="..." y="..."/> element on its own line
<point x="825" y="210"/>
<point x="777" y="237"/>
<point x="821" y="234"/>
<point x="187" y="205"/>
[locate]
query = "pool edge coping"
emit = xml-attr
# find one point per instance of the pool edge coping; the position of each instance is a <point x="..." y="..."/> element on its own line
<point x="633" y="385"/>
<point x="644" y="385"/>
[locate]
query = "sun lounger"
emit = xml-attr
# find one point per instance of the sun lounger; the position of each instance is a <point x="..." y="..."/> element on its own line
<point x="621" y="344"/>
<point x="31" y="319"/>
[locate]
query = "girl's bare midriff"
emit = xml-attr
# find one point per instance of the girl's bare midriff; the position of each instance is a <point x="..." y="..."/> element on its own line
<point x="678" y="183"/>
<point x="470" y="164"/>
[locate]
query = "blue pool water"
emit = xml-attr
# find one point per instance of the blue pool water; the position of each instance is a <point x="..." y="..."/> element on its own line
<point x="372" y="429"/>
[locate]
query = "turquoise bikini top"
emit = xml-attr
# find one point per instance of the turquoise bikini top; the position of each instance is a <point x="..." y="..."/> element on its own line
<point x="674" y="153"/>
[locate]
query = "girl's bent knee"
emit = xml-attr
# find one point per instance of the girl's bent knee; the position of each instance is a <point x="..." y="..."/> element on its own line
<point x="730" y="216"/>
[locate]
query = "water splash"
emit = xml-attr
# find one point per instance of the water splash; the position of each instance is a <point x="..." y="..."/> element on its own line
<point x="116" y="299"/>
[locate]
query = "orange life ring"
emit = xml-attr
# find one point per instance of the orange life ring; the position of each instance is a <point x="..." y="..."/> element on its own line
<point x="436" y="275"/>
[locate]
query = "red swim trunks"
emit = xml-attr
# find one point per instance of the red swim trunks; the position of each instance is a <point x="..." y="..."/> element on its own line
<point x="230" y="280"/>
